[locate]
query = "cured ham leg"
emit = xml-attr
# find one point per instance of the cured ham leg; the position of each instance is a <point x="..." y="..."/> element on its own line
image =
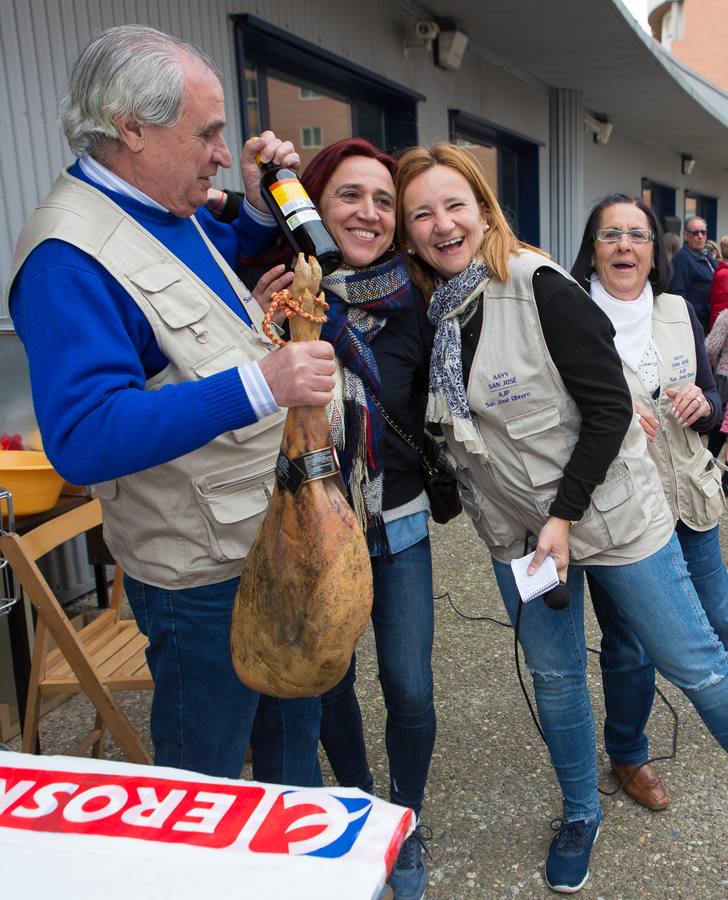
<point x="305" y="594"/>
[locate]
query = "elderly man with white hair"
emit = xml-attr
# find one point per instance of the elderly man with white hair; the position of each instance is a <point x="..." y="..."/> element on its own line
<point x="152" y="378"/>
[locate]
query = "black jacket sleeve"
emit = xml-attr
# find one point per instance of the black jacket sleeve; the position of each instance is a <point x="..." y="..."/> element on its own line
<point x="231" y="207"/>
<point x="579" y="337"/>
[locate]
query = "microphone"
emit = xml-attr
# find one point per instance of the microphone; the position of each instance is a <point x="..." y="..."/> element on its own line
<point x="558" y="597"/>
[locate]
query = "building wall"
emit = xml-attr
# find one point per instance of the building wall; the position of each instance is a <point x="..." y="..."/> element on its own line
<point x="39" y="40"/>
<point x="704" y="39"/>
<point x="621" y="164"/>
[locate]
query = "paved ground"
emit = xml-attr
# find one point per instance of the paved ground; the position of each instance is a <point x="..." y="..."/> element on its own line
<point x="492" y="795"/>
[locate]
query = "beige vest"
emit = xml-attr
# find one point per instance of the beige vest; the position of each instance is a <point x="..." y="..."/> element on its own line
<point x="530" y="424"/>
<point x="690" y="478"/>
<point x="190" y="521"/>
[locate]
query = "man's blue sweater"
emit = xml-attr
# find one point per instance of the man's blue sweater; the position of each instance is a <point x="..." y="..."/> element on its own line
<point x="91" y="351"/>
<point x="692" y="275"/>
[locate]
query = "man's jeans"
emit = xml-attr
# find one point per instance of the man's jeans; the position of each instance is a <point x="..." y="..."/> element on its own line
<point x="657" y="600"/>
<point x="628" y="675"/>
<point x="202" y="714"/>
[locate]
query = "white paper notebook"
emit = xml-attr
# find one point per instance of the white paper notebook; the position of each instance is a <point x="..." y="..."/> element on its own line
<point x="530" y="586"/>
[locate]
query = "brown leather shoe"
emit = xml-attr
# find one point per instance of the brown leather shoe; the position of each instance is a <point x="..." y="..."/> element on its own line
<point x="645" y="788"/>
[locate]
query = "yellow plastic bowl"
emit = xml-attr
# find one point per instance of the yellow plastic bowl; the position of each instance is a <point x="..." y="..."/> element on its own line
<point x="31" y="479"/>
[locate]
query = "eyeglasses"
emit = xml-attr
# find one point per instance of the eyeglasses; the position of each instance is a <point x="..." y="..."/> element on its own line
<point x="614" y="235"/>
<point x="698" y="231"/>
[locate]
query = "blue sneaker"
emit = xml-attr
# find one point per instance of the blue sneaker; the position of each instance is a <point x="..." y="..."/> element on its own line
<point x="567" y="865"/>
<point x="409" y="875"/>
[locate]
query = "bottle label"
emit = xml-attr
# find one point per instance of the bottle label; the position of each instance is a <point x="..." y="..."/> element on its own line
<point x="290" y="195"/>
<point x="304" y="215"/>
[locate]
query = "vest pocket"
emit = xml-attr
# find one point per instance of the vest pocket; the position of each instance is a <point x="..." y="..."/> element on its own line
<point x="542" y="448"/>
<point x="154" y="280"/>
<point x="232" y="502"/>
<point x="706" y="490"/>
<point x="490" y="521"/>
<point x="615" y="517"/>
<point x="470" y="505"/>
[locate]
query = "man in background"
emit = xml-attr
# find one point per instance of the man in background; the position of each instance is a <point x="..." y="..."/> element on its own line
<point x="692" y="270"/>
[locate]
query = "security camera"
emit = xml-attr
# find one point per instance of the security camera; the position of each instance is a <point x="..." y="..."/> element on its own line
<point x="426" y="29"/>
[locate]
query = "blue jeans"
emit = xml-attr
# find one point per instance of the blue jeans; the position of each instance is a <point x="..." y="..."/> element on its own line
<point x="403" y="620"/>
<point x="628" y="675"/>
<point x="404" y="624"/>
<point x="202" y="714"/>
<point x="342" y="734"/>
<point x="657" y="600"/>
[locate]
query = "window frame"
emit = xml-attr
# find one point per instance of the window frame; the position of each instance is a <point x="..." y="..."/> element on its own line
<point x="706" y="209"/>
<point x="668" y="217"/>
<point x="526" y="150"/>
<point x="265" y="46"/>
<point x="312" y="129"/>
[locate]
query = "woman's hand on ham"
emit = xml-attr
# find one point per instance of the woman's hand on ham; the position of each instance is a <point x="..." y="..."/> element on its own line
<point x="275" y="279"/>
<point x="301" y="373"/>
<point x="649" y="423"/>
<point x="688" y="404"/>
<point x="553" y="540"/>
<point x="271" y="149"/>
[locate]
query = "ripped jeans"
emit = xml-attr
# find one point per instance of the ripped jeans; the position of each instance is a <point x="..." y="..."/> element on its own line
<point x="628" y="676"/>
<point x="657" y="598"/>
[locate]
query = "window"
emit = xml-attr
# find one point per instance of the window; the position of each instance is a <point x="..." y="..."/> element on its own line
<point x="290" y="73"/>
<point x="661" y="197"/>
<point x="252" y="102"/>
<point x="510" y="165"/>
<point x="705" y="207"/>
<point x="311" y="137"/>
<point x="672" y="25"/>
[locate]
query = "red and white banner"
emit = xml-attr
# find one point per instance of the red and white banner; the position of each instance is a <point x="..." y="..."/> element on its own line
<point x="86" y="828"/>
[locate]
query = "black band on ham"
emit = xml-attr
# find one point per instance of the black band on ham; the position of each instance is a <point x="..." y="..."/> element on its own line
<point x="291" y="474"/>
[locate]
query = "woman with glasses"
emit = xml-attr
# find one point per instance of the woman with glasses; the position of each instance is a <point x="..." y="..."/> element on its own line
<point x="529" y="389"/>
<point x="622" y="263"/>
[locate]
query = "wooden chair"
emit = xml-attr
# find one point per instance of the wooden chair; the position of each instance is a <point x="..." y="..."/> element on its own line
<point x="106" y="655"/>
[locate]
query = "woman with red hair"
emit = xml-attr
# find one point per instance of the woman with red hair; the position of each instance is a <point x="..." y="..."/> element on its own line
<point x="379" y="329"/>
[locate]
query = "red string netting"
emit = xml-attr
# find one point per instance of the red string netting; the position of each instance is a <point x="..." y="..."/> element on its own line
<point x="292" y="307"/>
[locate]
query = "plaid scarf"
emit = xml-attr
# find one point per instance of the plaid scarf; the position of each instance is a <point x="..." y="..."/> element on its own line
<point x="360" y="302"/>
<point x="452" y="302"/>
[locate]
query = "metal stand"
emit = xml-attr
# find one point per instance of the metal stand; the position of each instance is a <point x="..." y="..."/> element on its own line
<point x="14" y="608"/>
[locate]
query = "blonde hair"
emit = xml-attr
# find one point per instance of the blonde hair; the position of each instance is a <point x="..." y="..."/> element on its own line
<point x="724" y="246"/>
<point x="499" y="241"/>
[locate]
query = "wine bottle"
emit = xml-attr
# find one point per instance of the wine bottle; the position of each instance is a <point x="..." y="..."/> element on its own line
<point x="297" y="217"/>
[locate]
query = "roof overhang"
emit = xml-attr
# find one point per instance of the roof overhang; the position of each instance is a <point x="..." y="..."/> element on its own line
<point x="598" y="48"/>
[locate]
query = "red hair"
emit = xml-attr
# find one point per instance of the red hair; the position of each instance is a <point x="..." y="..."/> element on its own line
<point x="324" y="164"/>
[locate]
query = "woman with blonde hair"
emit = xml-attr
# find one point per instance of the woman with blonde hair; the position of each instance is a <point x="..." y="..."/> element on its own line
<point x="529" y="390"/>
